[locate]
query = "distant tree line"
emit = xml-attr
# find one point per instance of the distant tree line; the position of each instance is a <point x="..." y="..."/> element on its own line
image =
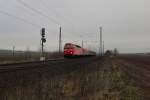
<point x="114" y="52"/>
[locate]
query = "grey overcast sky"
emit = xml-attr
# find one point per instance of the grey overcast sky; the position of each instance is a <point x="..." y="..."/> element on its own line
<point x="126" y="23"/>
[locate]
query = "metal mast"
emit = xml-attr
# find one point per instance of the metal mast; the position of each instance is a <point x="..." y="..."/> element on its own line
<point x="101" y="42"/>
<point x="103" y="48"/>
<point x="13" y="52"/>
<point x="60" y="41"/>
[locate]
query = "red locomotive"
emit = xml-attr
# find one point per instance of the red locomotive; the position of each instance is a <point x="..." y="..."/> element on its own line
<point x="72" y="50"/>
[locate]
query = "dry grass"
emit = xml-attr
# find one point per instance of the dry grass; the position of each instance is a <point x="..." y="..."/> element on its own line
<point x="100" y="80"/>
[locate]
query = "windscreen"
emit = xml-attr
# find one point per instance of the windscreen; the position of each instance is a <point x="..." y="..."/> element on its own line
<point x="68" y="46"/>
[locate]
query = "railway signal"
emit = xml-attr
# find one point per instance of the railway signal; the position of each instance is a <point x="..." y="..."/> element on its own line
<point x="43" y="35"/>
<point x="43" y="32"/>
<point x="43" y="40"/>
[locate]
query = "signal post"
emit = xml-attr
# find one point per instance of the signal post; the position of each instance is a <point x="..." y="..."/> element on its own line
<point x="43" y="40"/>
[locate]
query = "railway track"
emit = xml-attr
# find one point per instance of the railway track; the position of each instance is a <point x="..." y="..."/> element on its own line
<point x="51" y="63"/>
<point x="27" y="65"/>
<point x="13" y="78"/>
<point x="28" y="62"/>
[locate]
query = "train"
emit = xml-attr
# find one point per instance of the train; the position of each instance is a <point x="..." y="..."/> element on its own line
<point x="73" y="50"/>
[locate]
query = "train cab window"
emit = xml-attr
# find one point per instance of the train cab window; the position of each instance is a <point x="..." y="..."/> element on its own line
<point x="78" y="46"/>
<point x="68" y="46"/>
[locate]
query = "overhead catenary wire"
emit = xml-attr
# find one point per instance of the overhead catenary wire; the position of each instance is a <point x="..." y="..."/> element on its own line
<point x="37" y="11"/>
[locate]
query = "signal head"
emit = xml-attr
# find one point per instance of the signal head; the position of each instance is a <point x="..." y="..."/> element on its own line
<point x="44" y="40"/>
<point x="43" y="32"/>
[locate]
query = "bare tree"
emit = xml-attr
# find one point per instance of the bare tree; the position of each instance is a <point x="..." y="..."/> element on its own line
<point x="116" y="52"/>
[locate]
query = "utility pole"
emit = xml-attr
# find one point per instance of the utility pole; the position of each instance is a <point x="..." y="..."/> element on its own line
<point x="27" y="54"/>
<point x="101" y="42"/>
<point x="60" y="41"/>
<point x="13" y="52"/>
<point x="103" y="48"/>
<point x="43" y="40"/>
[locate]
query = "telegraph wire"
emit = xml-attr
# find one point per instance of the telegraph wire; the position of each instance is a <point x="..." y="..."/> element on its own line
<point x="54" y="11"/>
<point x="19" y="18"/>
<point x="23" y="20"/>
<point x="58" y="14"/>
<point x="37" y="11"/>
